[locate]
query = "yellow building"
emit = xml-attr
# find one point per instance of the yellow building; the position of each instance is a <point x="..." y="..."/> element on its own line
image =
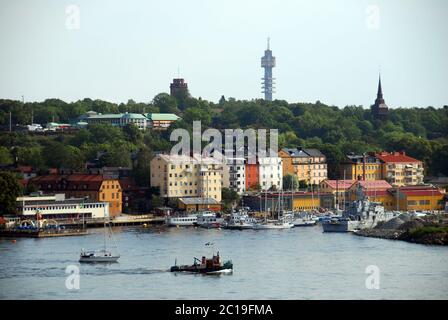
<point x="360" y="167"/>
<point x="419" y="198"/>
<point x="182" y="176"/>
<point x="307" y="164"/>
<point x="337" y="188"/>
<point x="306" y="201"/>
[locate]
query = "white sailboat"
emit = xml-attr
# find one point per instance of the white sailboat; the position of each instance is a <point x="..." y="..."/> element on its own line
<point x="104" y="254"/>
<point x="280" y="223"/>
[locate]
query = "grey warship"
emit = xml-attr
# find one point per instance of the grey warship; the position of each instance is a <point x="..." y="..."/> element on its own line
<point x="360" y="214"/>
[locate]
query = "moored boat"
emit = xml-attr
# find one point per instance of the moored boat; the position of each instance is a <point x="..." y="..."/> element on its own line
<point x="181" y="220"/>
<point x="240" y="220"/>
<point x="360" y="214"/>
<point x="209" y="220"/>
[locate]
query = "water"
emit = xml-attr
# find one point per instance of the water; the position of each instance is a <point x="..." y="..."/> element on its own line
<point x="300" y="263"/>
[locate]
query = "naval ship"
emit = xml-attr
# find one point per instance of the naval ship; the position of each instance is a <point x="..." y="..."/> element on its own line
<point x="360" y="214"/>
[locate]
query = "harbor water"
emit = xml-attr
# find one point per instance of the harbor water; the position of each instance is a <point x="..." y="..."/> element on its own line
<point x="298" y="263"/>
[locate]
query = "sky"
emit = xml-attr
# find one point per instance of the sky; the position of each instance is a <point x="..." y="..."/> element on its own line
<point x="326" y="50"/>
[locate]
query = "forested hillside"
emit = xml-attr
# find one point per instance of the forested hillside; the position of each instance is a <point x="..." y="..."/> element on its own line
<point x="421" y="132"/>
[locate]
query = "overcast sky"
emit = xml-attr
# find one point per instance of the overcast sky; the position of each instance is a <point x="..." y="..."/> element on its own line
<point x="326" y="50"/>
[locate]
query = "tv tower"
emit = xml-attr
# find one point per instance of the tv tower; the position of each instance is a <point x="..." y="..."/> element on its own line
<point x="268" y="62"/>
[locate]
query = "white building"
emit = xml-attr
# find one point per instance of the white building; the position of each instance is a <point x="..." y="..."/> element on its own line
<point x="118" y="119"/>
<point x="57" y="207"/>
<point x="237" y="174"/>
<point x="270" y="173"/>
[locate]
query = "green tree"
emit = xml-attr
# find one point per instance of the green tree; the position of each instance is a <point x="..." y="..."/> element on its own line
<point x="5" y="156"/>
<point x="165" y="103"/>
<point x="229" y="196"/>
<point x="142" y="165"/>
<point x="10" y="189"/>
<point x="133" y="133"/>
<point x="291" y="182"/>
<point x="58" y="155"/>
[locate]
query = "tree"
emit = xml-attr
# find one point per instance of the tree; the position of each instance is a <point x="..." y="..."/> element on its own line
<point x="291" y="182"/>
<point x="117" y="155"/>
<point x="165" y="103"/>
<point x="58" y="155"/>
<point x="142" y="165"/>
<point x="5" y="156"/>
<point x="133" y="133"/>
<point x="10" y="189"/>
<point x="229" y="196"/>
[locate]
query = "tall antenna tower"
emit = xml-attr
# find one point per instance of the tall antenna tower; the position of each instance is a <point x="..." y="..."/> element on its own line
<point x="268" y="62"/>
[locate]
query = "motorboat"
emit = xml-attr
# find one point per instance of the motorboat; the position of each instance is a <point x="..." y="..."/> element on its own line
<point x="208" y="219"/>
<point x="240" y="220"/>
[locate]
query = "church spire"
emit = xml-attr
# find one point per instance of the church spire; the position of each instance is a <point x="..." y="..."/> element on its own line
<point x="380" y="91"/>
<point x="379" y="109"/>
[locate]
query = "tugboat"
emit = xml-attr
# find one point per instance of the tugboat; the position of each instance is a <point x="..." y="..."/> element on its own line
<point x="208" y="266"/>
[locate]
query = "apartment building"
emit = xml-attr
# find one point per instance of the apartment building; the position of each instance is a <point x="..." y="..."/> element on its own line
<point x="307" y="164"/>
<point x="399" y="169"/>
<point x="180" y="176"/>
<point x="270" y="173"/>
<point x="360" y="167"/>
<point x="237" y="174"/>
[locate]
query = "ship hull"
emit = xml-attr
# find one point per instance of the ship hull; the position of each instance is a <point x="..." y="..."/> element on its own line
<point x="99" y="259"/>
<point x="227" y="268"/>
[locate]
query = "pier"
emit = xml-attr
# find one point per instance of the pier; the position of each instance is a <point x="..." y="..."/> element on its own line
<point x="121" y="220"/>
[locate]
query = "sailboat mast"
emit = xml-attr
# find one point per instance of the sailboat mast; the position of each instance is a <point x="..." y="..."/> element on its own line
<point x="344" y="190"/>
<point x="104" y="210"/>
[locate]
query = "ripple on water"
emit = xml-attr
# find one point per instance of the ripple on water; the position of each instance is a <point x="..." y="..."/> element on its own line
<point x="301" y="263"/>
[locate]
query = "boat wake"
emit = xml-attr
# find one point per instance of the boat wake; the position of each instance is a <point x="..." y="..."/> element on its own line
<point x="108" y="271"/>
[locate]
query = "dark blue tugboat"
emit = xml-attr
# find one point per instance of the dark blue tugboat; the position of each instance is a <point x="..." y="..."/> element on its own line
<point x="210" y="266"/>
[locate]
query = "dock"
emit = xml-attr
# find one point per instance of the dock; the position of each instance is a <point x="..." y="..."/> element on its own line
<point x="121" y="220"/>
<point x="14" y="233"/>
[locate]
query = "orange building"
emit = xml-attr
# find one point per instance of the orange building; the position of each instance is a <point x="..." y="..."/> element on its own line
<point x="308" y="165"/>
<point x="92" y="186"/>
<point x="252" y="176"/>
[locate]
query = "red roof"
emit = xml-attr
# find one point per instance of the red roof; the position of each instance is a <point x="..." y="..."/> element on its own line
<point x="395" y="157"/>
<point x="25" y="169"/>
<point x="341" y="184"/>
<point x="374" y="184"/>
<point x="421" y="192"/>
<point x="87" y="182"/>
